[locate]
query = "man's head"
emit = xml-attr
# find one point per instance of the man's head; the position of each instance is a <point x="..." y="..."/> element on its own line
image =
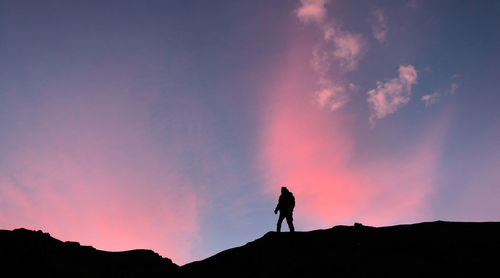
<point x="284" y="189"/>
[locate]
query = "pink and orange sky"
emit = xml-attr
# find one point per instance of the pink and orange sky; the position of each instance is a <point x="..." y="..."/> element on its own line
<point x="172" y="125"/>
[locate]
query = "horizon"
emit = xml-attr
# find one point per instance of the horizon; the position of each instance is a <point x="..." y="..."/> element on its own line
<point x="172" y="126"/>
<point x="243" y="245"/>
<point x="354" y="225"/>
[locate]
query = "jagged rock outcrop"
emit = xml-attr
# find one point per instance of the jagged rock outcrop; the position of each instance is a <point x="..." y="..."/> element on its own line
<point x="26" y="253"/>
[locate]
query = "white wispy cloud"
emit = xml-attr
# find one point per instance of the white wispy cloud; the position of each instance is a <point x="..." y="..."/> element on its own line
<point x="347" y="48"/>
<point x="430" y="99"/>
<point x="332" y="97"/>
<point x="340" y="46"/>
<point x="390" y="96"/>
<point x="379" y="27"/>
<point x="336" y="47"/>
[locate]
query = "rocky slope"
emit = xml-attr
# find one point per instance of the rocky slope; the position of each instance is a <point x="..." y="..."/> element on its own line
<point x="25" y="253"/>
<point x="418" y="250"/>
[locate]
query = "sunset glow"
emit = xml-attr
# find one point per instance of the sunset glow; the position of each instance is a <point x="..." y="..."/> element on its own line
<point x="172" y="125"/>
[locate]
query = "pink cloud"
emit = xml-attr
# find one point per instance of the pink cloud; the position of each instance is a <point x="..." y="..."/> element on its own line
<point x="390" y="96"/>
<point x="331" y="97"/>
<point x="430" y="99"/>
<point x="312" y="10"/>
<point x="407" y="76"/>
<point x="313" y="153"/>
<point x="348" y="49"/>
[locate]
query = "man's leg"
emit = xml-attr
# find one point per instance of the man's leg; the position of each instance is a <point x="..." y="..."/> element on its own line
<point x="289" y="220"/>
<point x="280" y="219"/>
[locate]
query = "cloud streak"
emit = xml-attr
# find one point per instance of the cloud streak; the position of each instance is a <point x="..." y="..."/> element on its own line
<point x="332" y="97"/>
<point x="336" y="46"/>
<point x="312" y="10"/>
<point x="379" y="27"/>
<point x="430" y="99"/>
<point x="314" y="155"/>
<point x="391" y="95"/>
<point x="347" y="47"/>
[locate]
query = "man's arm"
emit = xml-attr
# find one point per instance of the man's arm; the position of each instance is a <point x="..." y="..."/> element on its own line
<point x="277" y="206"/>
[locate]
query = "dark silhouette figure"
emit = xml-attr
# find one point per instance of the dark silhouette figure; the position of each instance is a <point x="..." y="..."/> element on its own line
<point x="285" y="206"/>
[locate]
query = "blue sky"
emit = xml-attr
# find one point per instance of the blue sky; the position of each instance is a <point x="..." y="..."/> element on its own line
<point x="172" y="125"/>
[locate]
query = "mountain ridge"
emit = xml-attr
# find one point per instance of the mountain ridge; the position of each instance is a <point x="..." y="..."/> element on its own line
<point x="28" y="253"/>
<point x="428" y="248"/>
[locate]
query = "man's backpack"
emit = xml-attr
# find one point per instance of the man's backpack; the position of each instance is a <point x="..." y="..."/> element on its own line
<point x="292" y="201"/>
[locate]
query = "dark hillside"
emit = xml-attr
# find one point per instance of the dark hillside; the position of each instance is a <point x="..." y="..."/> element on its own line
<point x="419" y="250"/>
<point x="446" y="249"/>
<point x="25" y="253"/>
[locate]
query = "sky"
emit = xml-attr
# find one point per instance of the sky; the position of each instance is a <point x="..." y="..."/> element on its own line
<point x="172" y="125"/>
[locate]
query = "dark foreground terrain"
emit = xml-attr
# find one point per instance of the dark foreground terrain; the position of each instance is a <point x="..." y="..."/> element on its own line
<point x="25" y="253"/>
<point x="446" y="249"/>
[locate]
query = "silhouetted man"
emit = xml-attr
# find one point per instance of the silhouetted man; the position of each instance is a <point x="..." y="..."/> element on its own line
<point x="285" y="205"/>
